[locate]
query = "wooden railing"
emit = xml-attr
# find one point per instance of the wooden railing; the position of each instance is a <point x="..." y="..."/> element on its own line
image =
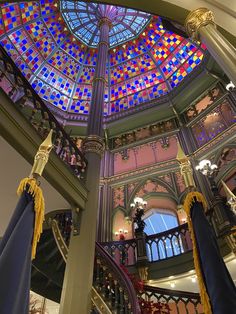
<point x="124" y="252"/>
<point x="160" y="246"/>
<point x="112" y="290"/>
<point x="16" y="86"/>
<point x="168" y="243"/>
<point x="114" y="286"/>
<point x="178" y="301"/>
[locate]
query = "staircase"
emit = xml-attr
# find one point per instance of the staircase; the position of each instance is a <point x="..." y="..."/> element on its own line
<point x="112" y="287"/>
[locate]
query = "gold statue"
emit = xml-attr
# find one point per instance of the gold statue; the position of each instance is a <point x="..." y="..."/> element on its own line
<point x="41" y="158"/>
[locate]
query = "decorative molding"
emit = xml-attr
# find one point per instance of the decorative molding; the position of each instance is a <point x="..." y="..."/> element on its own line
<point x="130" y="176"/>
<point x="196" y="19"/>
<point x="144" y="134"/>
<point x="93" y="144"/>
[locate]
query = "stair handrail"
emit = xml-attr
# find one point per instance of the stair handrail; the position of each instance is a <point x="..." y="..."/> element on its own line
<point x="127" y="284"/>
<point x="120" y="275"/>
<point x="176" y="298"/>
<point x="174" y="293"/>
<point x="97" y="300"/>
<point x="40" y="117"/>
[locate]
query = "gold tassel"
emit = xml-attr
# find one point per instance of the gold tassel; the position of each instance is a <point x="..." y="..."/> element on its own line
<point x="190" y="199"/>
<point x="39" y="206"/>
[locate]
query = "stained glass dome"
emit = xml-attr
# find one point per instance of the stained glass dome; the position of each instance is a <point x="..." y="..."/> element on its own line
<point x="144" y="64"/>
<point x="83" y="19"/>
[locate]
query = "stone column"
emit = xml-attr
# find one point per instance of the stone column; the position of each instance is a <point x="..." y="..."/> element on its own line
<point x="200" y="25"/>
<point x="78" y="280"/>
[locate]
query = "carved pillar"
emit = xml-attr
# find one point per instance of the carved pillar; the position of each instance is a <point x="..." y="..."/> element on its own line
<point x="200" y="25"/>
<point x="142" y="259"/>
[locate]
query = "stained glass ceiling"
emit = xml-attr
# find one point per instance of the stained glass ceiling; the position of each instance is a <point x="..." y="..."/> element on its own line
<point x="60" y="66"/>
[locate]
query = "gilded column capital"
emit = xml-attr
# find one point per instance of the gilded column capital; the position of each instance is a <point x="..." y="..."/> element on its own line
<point x="105" y="20"/>
<point x="196" y="19"/>
<point x="93" y="144"/>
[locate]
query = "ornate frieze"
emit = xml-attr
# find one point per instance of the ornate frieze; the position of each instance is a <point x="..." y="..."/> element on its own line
<point x="144" y="133"/>
<point x="203" y="103"/>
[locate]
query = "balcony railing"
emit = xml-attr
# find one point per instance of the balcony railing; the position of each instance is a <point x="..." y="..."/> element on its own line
<point x="124" y="252"/>
<point x="178" y="301"/>
<point x="160" y="246"/>
<point x="168" y="243"/>
<point x="117" y="290"/>
<point x="16" y="86"/>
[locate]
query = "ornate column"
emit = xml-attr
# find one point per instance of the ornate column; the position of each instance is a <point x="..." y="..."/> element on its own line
<point x="200" y="25"/>
<point x="78" y="280"/>
<point x="95" y="125"/>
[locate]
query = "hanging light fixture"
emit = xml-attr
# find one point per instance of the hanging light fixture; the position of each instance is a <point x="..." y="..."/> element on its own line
<point x="206" y="167"/>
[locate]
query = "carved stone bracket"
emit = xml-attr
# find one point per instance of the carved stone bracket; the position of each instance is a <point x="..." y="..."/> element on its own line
<point x="93" y="144"/>
<point x="196" y="19"/>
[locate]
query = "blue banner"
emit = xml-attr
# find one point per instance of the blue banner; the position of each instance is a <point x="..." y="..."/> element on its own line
<point x="15" y="258"/>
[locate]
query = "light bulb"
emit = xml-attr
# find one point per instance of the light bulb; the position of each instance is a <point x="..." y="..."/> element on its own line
<point x="172" y="284"/>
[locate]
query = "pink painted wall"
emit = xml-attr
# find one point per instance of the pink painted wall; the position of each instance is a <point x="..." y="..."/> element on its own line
<point x="145" y="155"/>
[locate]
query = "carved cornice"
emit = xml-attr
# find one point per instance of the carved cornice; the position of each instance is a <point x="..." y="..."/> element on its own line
<point x="93" y="144"/>
<point x="196" y="19"/>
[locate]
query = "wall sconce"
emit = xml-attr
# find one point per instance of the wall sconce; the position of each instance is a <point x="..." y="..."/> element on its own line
<point x="121" y="233"/>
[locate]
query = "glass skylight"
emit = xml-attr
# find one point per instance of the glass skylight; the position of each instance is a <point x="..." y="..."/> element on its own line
<point x="82" y="19"/>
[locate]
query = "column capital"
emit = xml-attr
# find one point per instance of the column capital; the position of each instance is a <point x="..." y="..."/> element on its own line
<point x="105" y="20"/>
<point x="196" y="19"/>
<point x="93" y="144"/>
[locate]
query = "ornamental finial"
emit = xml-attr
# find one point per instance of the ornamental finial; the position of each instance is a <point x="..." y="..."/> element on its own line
<point x="41" y="158"/>
<point x="185" y="167"/>
<point x="196" y="19"/>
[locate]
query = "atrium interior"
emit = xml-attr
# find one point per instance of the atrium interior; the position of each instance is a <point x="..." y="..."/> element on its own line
<point x="123" y="89"/>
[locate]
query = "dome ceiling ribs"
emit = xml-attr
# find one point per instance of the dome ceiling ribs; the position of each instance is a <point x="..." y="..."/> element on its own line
<point x="145" y="64"/>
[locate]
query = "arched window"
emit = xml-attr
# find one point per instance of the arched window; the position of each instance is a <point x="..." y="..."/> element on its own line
<point x="159" y="220"/>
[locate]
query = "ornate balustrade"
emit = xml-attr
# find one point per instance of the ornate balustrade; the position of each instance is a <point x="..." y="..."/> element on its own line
<point x="16" y="86"/>
<point x="178" y="301"/>
<point x="168" y="243"/>
<point x="160" y="246"/>
<point x="112" y="290"/>
<point x="124" y="252"/>
<point x="113" y="284"/>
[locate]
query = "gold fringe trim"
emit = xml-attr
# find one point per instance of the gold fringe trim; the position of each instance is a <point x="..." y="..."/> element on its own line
<point x="190" y="199"/>
<point x="39" y="206"/>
